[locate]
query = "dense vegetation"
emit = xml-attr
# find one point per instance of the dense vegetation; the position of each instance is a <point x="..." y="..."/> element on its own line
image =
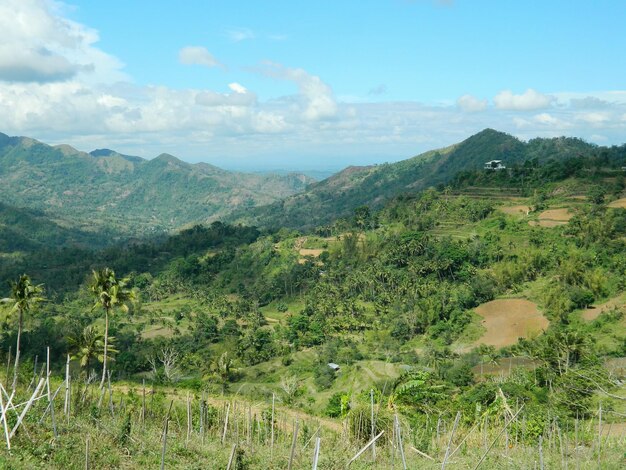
<point x="389" y="293"/>
<point x="130" y="196"/>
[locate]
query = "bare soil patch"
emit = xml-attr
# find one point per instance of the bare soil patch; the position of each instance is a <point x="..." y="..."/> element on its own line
<point x="515" y="210"/>
<point x="619" y="203"/>
<point x="594" y="312"/>
<point x="507" y="320"/>
<point x="553" y="218"/>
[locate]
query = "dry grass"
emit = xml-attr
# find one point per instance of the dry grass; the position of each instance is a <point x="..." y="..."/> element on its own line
<point x="520" y="210"/>
<point x="507" y="320"/>
<point x="594" y="312"/>
<point x="619" y="203"/>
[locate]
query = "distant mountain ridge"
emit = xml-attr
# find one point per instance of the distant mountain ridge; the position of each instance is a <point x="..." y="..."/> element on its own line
<point x="340" y="194"/>
<point x="128" y="194"/>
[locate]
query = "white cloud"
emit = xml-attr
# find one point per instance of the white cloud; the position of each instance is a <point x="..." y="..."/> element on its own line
<point x="527" y="101"/>
<point x="40" y="46"/>
<point x="240" y="34"/>
<point x="237" y="88"/>
<point x="594" y="117"/>
<point x="316" y="97"/>
<point x="197" y="55"/>
<point x="471" y="103"/>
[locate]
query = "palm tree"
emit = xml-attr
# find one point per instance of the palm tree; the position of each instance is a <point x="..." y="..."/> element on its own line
<point x="109" y="292"/>
<point x="89" y="345"/>
<point x="24" y="296"/>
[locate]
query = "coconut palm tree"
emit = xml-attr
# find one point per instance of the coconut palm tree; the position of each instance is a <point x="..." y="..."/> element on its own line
<point x="89" y="346"/>
<point x="24" y="296"/>
<point x="109" y="292"/>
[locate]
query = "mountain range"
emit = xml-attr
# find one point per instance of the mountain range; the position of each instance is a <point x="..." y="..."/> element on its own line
<point x="128" y="194"/>
<point x="338" y="195"/>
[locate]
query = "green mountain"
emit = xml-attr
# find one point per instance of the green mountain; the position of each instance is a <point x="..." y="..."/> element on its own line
<point x="340" y="194"/>
<point x="128" y="194"/>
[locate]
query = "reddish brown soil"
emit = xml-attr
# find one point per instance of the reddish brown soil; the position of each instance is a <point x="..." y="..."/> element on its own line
<point x="507" y="320"/>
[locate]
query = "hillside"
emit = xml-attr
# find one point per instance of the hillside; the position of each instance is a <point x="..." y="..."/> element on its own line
<point x="128" y="194"/>
<point x="340" y="194"/>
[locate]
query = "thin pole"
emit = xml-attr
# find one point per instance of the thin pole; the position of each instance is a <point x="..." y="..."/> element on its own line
<point x="506" y="425"/>
<point x="232" y="457"/>
<point x="165" y="429"/>
<point x="358" y="454"/>
<point x="399" y="438"/>
<point x="373" y="432"/>
<point x="87" y="453"/>
<point x="50" y="398"/>
<point x="316" y="453"/>
<point x="294" y="441"/>
<point x="456" y="423"/>
<point x="66" y="405"/>
<point x="225" y="423"/>
<point x="272" y="424"/>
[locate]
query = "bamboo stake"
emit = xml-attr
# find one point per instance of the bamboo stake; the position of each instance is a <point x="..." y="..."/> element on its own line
<point x="87" y="453"/>
<point x="4" y="418"/>
<point x="272" y="424"/>
<point x="165" y="429"/>
<point x="143" y="403"/>
<point x="372" y="423"/>
<point x="66" y="405"/>
<point x="225" y="423"/>
<point x="506" y="425"/>
<point x="456" y="423"/>
<point x="188" y="417"/>
<point x="8" y="365"/>
<point x="358" y="454"/>
<point x="541" y="452"/>
<point x="27" y="407"/>
<point x="399" y="439"/>
<point x="316" y="453"/>
<point x="232" y="457"/>
<point x="50" y="399"/>
<point x="294" y="441"/>
<point x="423" y="454"/>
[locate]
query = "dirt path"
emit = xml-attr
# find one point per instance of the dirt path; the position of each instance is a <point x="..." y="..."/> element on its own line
<point x="507" y="320"/>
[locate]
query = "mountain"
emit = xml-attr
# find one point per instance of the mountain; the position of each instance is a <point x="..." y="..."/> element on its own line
<point x="128" y="194"/>
<point x="340" y="194"/>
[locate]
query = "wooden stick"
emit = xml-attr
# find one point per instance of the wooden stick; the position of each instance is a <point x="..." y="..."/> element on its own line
<point x="423" y="454"/>
<point x="50" y="399"/>
<point x="399" y="440"/>
<point x="294" y="441"/>
<point x="373" y="423"/>
<point x="143" y="403"/>
<point x="165" y="429"/>
<point x="316" y="453"/>
<point x="365" y="448"/>
<point x="27" y="407"/>
<point x="66" y="405"/>
<point x="225" y="423"/>
<point x="87" y="453"/>
<point x="456" y="423"/>
<point x="4" y="417"/>
<point x="506" y="425"/>
<point x="232" y="457"/>
<point x="272" y="424"/>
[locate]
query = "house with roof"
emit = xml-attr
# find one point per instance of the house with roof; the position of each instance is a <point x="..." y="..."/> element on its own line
<point x="495" y="165"/>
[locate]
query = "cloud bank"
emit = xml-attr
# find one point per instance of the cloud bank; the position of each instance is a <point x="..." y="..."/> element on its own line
<point x="62" y="88"/>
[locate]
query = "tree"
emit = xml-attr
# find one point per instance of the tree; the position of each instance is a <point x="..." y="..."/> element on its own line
<point x="24" y="296"/>
<point x="109" y="292"/>
<point x="89" y="346"/>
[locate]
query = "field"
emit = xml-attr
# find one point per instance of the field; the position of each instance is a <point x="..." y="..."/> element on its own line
<point x="618" y="203"/>
<point x="507" y="320"/>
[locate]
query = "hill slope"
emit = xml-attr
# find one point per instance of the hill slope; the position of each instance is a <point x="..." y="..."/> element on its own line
<point x="340" y="194"/>
<point x="126" y="193"/>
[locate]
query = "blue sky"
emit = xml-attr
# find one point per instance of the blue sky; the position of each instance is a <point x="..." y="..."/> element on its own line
<point x="295" y="84"/>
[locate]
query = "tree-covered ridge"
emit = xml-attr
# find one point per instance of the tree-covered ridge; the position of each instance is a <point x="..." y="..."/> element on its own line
<point x="129" y="195"/>
<point x="373" y="186"/>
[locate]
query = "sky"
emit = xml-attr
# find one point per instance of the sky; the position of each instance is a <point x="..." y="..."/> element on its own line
<point x="287" y="84"/>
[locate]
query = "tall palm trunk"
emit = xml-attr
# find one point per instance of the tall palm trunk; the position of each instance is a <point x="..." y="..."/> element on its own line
<point x="17" y="350"/>
<point x="106" y="346"/>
